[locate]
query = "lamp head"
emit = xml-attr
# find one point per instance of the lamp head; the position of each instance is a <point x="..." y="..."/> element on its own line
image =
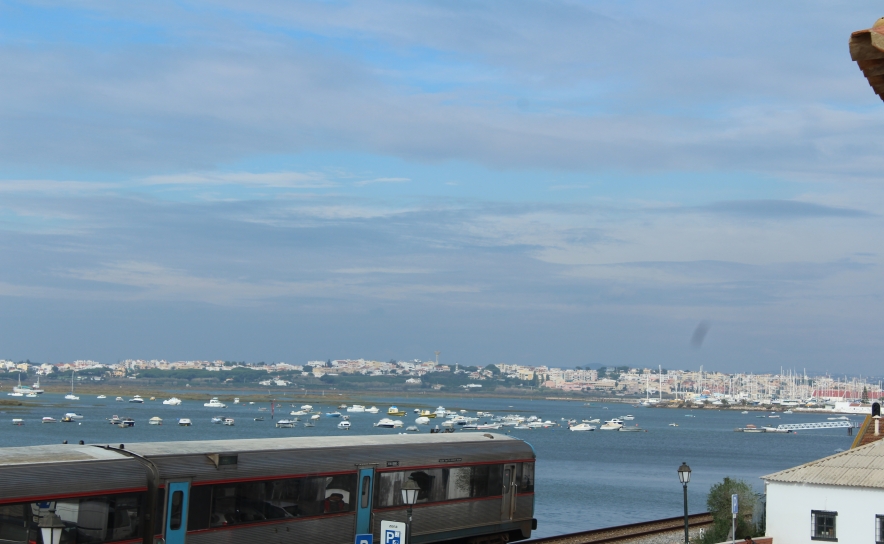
<point x="409" y="492"/>
<point x="684" y="473"/>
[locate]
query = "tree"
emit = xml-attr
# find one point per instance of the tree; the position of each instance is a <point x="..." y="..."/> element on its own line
<point x="493" y="369"/>
<point x="719" y="504"/>
<point x="865" y="395"/>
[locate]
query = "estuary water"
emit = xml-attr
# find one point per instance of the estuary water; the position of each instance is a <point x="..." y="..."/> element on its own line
<point x="584" y="480"/>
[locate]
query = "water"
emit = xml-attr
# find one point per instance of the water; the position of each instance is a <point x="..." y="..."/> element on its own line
<point x="585" y="480"/>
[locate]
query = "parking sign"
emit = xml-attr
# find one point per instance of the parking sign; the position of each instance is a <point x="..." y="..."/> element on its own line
<point x="364" y="539"/>
<point x="392" y="532"/>
<point x="735" y="505"/>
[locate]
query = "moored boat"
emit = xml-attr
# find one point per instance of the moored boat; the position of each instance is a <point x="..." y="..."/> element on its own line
<point x="184" y="422"/>
<point x="215" y="403"/>
<point x="229" y="421"/>
<point x="387" y="423"/>
<point x="356" y="408"/>
<point x="284" y="424"/>
<point x="18" y="421"/>
<point x="582" y="427"/>
<point x="394" y="411"/>
<point x="137" y="399"/>
<point x="612" y="425"/>
<point x="155" y="421"/>
<point x="174" y="401"/>
<point x="372" y="410"/>
<point x="344" y="425"/>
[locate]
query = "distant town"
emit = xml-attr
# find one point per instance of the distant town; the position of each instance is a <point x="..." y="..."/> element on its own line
<point x="655" y="384"/>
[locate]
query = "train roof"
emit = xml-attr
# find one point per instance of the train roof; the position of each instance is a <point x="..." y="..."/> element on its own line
<point x="154" y="449"/>
<point x="57" y="453"/>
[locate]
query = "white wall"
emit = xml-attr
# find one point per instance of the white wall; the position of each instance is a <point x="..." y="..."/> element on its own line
<point x="789" y="506"/>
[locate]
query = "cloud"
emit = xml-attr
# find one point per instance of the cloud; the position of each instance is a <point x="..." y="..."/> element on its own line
<point x="380" y="180"/>
<point x="288" y="180"/>
<point x="779" y="209"/>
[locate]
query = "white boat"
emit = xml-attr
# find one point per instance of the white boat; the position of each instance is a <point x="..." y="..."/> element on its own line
<point x="217" y="419"/>
<point x="285" y="424"/>
<point x="440" y="411"/>
<point x="333" y="414"/>
<point x="174" y="401"/>
<point x="582" y="427"/>
<point x="612" y="425"/>
<point x="315" y="417"/>
<point x="18" y="421"/>
<point x="673" y="424"/>
<point x="155" y="421"/>
<point x="356" y="408"/>
<point x="101" y="397"/>
<point x="20" y="390"/>
<point x="137" y="399"/>
<point x="73" y="415"/>
<point x="298" y="413"/>
<point x="372" y="410"/>
<point x="126" y="422"/>
<point x="488" y="427"/>
<point x="309" y="424"/>
<point x="596" y="421"/>
<point x="72" y="396"/>
<point x="31" y="395"/>
<point x="48" y="419"/>
<point x="395" y="411"/>
<point x="344" y="425"/>
<point x="839" y="418"/>
<point x="387" y="423"/>
<point x="119" y="399"/>
<point x="235" y="400"/>
<point x="307" y="408"/>
<point x="745" y="412"/>
<point x="422" y="420"/>
<point x="115" y="420"/>
<point x="627" y="418"/>
<point x="215" y="403"/>
<point x="788" y="412"/>
<point x="412" y="429"/>
<point x="522" y="428"/>
<point x="229" y="421"/>
<point x="184" y="422"/>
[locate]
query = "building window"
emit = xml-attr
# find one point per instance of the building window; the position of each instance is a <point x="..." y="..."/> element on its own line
<point x="822" y="525"/>
<point x="879" y="529"/>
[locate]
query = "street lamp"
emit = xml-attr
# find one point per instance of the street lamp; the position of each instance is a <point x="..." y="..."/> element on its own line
<point x="409" y="497"/>
<point x="51" y="526"/>
<point x="684" y="476"/>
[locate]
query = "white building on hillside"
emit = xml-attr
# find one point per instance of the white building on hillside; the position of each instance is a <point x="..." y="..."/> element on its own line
<point x="839" y="498"/>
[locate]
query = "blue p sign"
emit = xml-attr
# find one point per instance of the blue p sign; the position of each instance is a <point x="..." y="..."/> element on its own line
<point x="392" y="537"/>
<point x="364" y="539"/>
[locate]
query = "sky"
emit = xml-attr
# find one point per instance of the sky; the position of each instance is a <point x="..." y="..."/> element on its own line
<point x="525" y="182"/>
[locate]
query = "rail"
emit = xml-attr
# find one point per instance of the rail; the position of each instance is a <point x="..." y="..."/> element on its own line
<point x="625" y="532"/>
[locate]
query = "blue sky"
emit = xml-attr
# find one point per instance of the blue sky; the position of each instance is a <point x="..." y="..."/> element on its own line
<point x="562" y="183"/>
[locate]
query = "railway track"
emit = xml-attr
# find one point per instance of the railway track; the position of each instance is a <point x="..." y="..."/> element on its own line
<point x="625" y="532"/>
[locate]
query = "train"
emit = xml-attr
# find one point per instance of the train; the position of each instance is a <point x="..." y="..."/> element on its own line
<point x="474" y="489"/>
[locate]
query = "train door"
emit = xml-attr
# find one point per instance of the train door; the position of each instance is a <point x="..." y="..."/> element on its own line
<point x="177" y="494"/>
<point x="508" y="504"/>
<point x="363" y="506"/>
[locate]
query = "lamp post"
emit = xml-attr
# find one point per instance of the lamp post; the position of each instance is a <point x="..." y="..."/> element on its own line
<point x="409" y="497"/>
<point x="684" y="476"/>
<point x="51" y="526"/>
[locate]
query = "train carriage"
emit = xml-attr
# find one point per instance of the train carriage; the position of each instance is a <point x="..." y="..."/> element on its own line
<point x="473" y="488"/>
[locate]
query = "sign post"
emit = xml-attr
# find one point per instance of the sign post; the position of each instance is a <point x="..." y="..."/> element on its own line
<point x="735" y="507"/>
<point x="392" y="532"/>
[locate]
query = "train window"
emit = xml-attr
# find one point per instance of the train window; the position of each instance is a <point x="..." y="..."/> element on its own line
<point x="525" y="478"/>
<point x="366" y="488"/>
<point x="93" y="520"/>
<point x="199" y="513"/>
<point x="15" y="524"/>
<point x="177" y="510"/>
<point x="440" y="484"/>
<point x="254" y="502"/>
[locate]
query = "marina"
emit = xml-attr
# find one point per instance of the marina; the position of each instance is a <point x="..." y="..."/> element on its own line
<point x="577" y="471"/>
